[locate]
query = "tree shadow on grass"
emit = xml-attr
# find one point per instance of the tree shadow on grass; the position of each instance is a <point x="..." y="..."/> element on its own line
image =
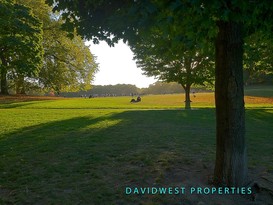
<point x="91" y="160"/>
<point x="20" y="103"/>
<point x="259" y="136"/>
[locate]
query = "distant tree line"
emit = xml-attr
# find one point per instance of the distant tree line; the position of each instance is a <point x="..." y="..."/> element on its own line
<point x="156" y="88"/>
<point x="105" y="91"/>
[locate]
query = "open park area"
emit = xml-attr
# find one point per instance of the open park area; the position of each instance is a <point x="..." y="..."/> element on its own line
<point x="136" y="102"/>
<point x="110" y="151"/>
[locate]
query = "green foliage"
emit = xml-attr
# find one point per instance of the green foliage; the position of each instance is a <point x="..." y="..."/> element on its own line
<point x="163" y="88"/>
<point x="67" y="64"/>
<point x="258" y="64"/>
<point x="105" y="90"/>
<point x="119" y="89"/>
<point x="181" y="63"/>
<point x="175" y="18"/>
<point x="163" y="32"/>
<point x="128" y="89"/>
<point x="20" y="40"/>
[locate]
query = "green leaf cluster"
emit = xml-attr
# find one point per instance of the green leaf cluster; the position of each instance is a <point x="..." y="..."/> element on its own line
<point x="68" y="63"/>
<point x="37" y="54"/>
<point x="21" y="49"/>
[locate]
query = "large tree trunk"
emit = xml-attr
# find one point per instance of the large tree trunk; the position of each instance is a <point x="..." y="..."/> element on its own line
<point x="187" y="85"/>
<point x="4" y="83"/>
<point x="231" y="158"/>
<point x="187" y="89"/>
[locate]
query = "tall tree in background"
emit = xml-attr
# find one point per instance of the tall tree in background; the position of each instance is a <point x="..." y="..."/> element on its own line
<point x="185" y="62"/>
<point x="68" y="64"/>
<point x="233" y="20"/>
<point x="20" y="42"/>
<point x="173" y="51"/>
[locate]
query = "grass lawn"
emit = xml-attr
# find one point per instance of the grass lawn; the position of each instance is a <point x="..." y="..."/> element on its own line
<point x="87" y="151"/>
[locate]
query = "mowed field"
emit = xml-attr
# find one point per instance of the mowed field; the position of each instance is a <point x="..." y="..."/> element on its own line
<point x="87" y="151"/>
<point x="168" y="101"/>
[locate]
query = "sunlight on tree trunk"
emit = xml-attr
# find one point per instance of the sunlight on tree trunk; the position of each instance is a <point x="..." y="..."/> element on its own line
<point x="231" y="158"/>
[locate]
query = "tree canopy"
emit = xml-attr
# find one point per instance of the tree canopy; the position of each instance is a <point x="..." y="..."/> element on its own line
<point x="183" y="62"/>
<point x="68" y="63"/>
<point x="20" y="42"/>
<point x="37" y="55"/>
<point x="258" y="58"/>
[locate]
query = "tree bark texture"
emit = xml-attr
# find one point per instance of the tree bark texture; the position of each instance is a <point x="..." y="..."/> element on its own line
<point x="187" y="85"/>
<point x="231" y="156"/>
<point x="187" y="89"/>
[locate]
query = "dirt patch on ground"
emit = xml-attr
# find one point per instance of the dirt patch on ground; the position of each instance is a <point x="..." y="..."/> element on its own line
<point x="199" y="176"/>
<point x="190" y="183"/>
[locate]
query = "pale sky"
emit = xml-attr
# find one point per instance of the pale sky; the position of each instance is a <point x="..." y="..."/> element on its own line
<point x="116" y="66"/>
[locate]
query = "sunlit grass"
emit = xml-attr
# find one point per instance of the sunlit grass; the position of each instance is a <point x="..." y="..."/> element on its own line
<point x="85" y="151"/>
<point x="174" y="101"/>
